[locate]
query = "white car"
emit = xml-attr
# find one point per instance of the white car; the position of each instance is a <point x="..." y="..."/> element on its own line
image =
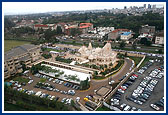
<point x="19" y="86"/>
<point x="61" y="82"/>
<point x="52" y="98"/>
<point x="120" y="90"/>
<point x="31" y="81"/>
<point x="63" y="100"/>
<point x="127" y="108"/>
<point x="155" y="107"/>
<point x="123" y="105"/>
<point x="77" y="99"/>
<point x="111" y="82"/>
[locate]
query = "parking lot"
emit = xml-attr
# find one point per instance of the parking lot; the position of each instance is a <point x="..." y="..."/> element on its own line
<point x="136" y="96"/>
<point x="60" y="86"/>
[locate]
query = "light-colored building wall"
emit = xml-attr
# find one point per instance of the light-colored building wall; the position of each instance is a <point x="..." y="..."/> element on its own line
<point x="126" y="37"/>
<point x="159" y="40"/>
<point x="12" y="63"/>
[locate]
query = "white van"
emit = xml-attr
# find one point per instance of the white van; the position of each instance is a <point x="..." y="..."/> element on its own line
<point x="127" y="108"/>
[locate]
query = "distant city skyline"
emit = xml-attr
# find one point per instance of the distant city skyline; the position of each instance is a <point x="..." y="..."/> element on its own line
<point x="14" y="8"/>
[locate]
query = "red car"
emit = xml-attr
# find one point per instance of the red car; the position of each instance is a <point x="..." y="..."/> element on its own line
<point x="135" y="75"/>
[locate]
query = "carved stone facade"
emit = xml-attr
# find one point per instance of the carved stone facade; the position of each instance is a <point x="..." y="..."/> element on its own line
<point x="98" y="56"/>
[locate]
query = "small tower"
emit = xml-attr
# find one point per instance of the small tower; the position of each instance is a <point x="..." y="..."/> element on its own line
<point x="90" y="46"/>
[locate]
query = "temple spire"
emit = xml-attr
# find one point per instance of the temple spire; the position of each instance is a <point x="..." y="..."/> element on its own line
<point x="90" y="46"/>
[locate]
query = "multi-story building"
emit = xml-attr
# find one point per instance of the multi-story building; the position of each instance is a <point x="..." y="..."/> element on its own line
<point x="116" y="33"/>
<point x="147" y="29"/>
<point x="27" y="54"/>
<point x="126" y="36"/>
<point x="159" y="38"/>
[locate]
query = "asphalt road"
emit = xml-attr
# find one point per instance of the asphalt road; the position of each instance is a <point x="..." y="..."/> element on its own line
<point x="129" y="46"/>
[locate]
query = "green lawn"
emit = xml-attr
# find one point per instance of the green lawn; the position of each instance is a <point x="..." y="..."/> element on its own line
<point x="21" y="79"/>
<point x="8" y="44"/>
<point x="136" y="59"/>
<point x="50" y="49"/>
<point x="145" y="61"/>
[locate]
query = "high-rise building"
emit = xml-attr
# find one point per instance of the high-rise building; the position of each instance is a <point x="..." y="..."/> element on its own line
<point x="144" y="5"/>
<point x="154" y="6"/>
<point x="149" y="6"/>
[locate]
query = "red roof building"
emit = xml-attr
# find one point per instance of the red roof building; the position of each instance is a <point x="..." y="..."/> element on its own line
<point x="84" y="27"/>
<point x="40" y="26"/>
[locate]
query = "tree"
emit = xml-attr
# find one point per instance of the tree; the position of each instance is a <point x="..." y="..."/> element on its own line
<point x="85" y="84"/>
<point x="74" y="31"/>
<point x="8" y="23"/>
<point x="105" y="66"/>
<point x="95" y="73"/>
<point x="111" y="64"/>
<point x="49" y="34"/>
<point x="134" y="46"/>
<point x="46" y="56"/>
<point x="36" y="68"/>
<point x="122" y="44"/>
<point x="160" y="51"/>
<point x="59" y="30"/>
<point x="145" y="41"/>
<point x="23" y="66"/>
<point x="125" y="54"/>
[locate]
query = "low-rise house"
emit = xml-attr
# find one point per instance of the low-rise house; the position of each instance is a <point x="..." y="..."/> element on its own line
<point x="84" y="27"/>
<point x="41" y="26"/>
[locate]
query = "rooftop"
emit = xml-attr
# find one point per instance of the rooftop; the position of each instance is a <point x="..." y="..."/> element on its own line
<point x="116" y="30"/>
<point x="40" y="25"/>
<point x="85" y="25"/>
<point x="126" y="33"/>
<point x="19" y="50"/>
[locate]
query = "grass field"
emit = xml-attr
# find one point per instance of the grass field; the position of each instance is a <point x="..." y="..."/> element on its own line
<point x="8" y="44"/>
<point x="136" y="59"/>
<point x="21" y="80"/>
<point x="12" y="107"/>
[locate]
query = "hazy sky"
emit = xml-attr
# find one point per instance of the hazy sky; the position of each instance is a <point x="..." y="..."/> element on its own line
<point x="39" y="7"/>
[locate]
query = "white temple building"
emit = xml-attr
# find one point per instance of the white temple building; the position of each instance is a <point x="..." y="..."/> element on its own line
<point x="98" y="56"/>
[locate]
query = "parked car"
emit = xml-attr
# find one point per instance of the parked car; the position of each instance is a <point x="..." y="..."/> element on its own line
<point x="127" y="108"/>
<point x="155" y="107"/>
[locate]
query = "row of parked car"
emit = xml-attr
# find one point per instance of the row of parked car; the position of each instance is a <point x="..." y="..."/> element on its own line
<point x="129" y="82"/>
<point x="57" y="81"/>
<point x="43" y="76"/>
<point x="125" y="107"/>
<point x="66" y="101"/>
<point x="115" y="100"/>
<point x="157" y="73"/>
<point x="39" y="93"/>
<point x="70" y="85"/>
<point x="142" y="93"/>
<point x="50" y="87"/>
<point x="44" y="95"/>
<point x="144" y="68"/>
